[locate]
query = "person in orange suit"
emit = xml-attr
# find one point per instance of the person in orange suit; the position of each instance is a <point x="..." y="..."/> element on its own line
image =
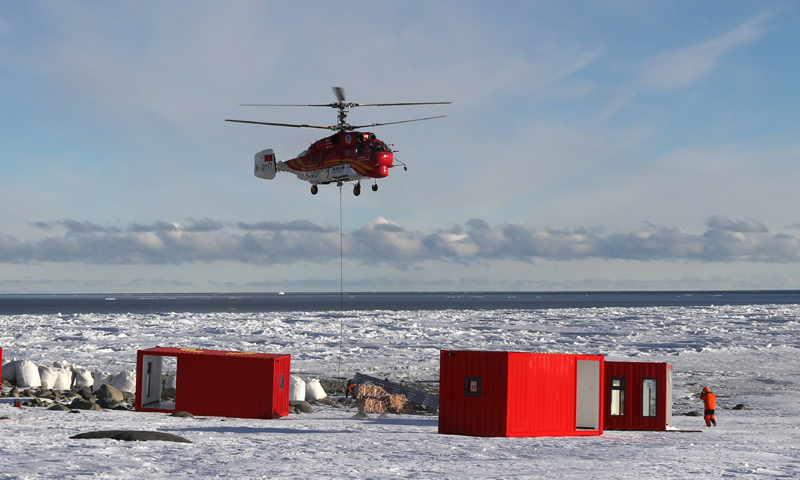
<point x="709" y="405"/>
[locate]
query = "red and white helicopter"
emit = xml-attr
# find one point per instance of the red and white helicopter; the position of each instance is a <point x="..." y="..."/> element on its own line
<point x="346" y="156"/>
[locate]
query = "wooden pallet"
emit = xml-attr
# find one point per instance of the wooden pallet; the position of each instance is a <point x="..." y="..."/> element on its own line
<point x="431" y="402"/>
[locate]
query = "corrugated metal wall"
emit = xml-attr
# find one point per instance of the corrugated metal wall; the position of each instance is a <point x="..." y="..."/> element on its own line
<point x="522" y="394"/>
<point x="541" y="393"/>
<point x="634" y="374"/>
<point x="483" y="415"/>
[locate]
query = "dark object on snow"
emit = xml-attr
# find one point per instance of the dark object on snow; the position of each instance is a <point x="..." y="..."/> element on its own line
<point x="739" y="406"/>
<point x="694" y="414"/>
<point x="131" y="436"/>
<point x="59" y="406"/>
<point x="302" y="406"/>
<point x="181" y="415"/>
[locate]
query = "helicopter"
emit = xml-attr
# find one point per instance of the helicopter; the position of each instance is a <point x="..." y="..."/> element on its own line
<point x="347" y="156"/>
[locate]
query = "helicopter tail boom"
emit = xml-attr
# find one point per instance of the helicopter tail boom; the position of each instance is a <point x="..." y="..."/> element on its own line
<point x="265" y="165"/>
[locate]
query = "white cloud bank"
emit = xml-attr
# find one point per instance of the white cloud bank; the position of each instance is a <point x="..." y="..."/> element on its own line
<point x="382" y="242"/>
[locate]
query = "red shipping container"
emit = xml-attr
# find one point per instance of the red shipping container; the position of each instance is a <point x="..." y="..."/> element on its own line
<point x="517" y="394"/>
<point x="218" y="383"/>
<point x="638" y="396"/>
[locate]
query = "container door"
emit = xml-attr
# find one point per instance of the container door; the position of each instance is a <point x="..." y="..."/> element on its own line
<point x="587" y="402"/>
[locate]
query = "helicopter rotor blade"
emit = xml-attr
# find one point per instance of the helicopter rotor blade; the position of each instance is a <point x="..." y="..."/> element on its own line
<point x="394" y="123"/>
<point x="339" y="92"/>
<point x="398" y="104"/>
<point x="288" y="105"/>
<point x="280" y="124"/>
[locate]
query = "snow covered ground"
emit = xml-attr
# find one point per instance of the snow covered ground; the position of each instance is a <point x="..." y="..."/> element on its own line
<point x="746" y="354"/>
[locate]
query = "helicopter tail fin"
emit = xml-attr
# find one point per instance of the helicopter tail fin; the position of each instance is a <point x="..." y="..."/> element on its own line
<point x="265" y="164"/>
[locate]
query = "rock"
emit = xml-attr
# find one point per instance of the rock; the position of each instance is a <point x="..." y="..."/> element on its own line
<point x="181" y="414"/>
<point x="59" y="406"/>
<point x="129" y="397"/>
<point x="122" y="407"/>
<point x="739" y="406"/>
<point x="107" y="403"/>
<point x="81" y="404"/>
<point x="132" y="436"/>
<point x="294" y="410"/>
<point x="85" y="394"/>
<point x="107" y="391"/>
<point x="694" y="414"/>
<point x="302" y="406"/>
<point x="14" y="392"/>
<point x="167" y="393"/>
<point x="6" y="383"/>
<point x="45" y="393"/>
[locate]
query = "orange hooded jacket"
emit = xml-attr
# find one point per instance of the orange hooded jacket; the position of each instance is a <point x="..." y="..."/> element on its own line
<point x="709" y="399"/>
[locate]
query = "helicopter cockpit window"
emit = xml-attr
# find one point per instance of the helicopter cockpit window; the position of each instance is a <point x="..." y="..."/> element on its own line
<point x="376" y="147"/>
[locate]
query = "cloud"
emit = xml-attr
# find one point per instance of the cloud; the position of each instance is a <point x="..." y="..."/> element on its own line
<point x="681" y="68"/>
<point x="720" y="222"/>
<point x="384" y="242"/>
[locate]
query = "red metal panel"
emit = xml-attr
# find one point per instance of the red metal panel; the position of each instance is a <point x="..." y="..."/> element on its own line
<point x="541" y="394"/>
<point x="479" y="415"/>
<point x="634" y="374"/>
<point x="280" y="386"/>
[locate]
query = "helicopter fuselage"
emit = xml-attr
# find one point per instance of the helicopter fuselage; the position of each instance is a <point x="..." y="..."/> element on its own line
<point x="344" y="156"/>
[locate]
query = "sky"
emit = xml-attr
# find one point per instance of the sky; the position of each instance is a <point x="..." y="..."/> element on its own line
<point x="590" y="146"/>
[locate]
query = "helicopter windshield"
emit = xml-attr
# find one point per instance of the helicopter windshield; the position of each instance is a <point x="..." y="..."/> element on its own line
<point x="378" y="147"/>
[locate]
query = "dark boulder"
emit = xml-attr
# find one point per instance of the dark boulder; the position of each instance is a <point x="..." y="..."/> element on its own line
<point x="107" y="391"/>
<point x="81" y="404"/>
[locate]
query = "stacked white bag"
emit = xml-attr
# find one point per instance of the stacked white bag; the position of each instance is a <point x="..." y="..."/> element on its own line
<point x="83" y="377"/>
<point x="10" y="371"/>
<point x="297" y="389"/>
<point x="100" y="379"/>
<point x="28" y="374"/>
<point x="64" y="380"/>
<point x="125" y="382"/>
<point x="314" y="390"/>
<point x="48" y="376"/>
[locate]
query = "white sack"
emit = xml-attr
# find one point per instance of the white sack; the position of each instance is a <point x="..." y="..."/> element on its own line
<point x="28" y="374"/>
<point x="314" y="390"/>
<point x="10" y="371"/>
<point x="172" y="381"/>
<point x="48" y="376"/>
<point x="297" y="389"/>
<point x="62" y="364"/>
<point x="125" y="382"/>
<point x="83" y="377"/>
<point x="64" y="381"/>
<point x="100" y="379"/>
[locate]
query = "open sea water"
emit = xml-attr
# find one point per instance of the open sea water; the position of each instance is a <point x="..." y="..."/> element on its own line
<point x="389" y="301"/>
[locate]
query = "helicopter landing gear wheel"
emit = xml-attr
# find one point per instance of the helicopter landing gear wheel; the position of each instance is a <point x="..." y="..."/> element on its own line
<point x="375" y="187"/>
<point x="314" y="189"/>
<point x="357" y="189"/>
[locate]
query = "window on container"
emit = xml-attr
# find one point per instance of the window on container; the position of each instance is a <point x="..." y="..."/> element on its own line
<point x="617" y="397"/>
<point x="649" y="397"/>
